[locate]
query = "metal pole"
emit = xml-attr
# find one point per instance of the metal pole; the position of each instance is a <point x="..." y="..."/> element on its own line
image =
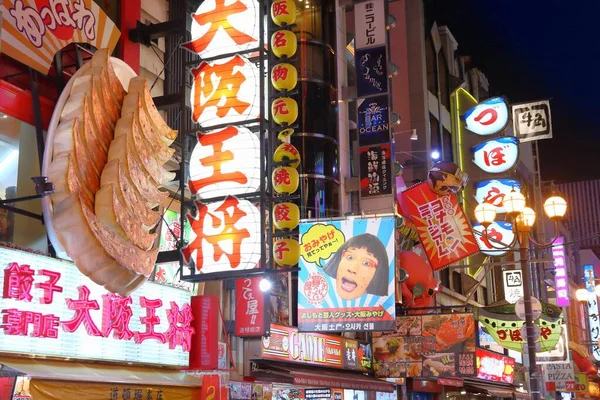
<point x="533" y="373"/>
<point x="439" y="99"/>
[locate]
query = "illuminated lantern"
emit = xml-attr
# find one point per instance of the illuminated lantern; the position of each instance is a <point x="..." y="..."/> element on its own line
<point x="225" y="162"/>
<point x="283" y="12"/>
<point x="225" y="92"/>
<point x="285" y="180"/>
<point x="497" y="239"/>
<point x="287" y="151"/>
<point x="219" y="28"/>
<point x="286" y="252"/>
<point x="284" y="76"/>
<point x="284" y="110"/>
<point x="488" y="117"/>
<point x="497" y="155"/>
<point x="284" y="43"/>
<point x="286" y="216"/>
<point x="225" y="236"/>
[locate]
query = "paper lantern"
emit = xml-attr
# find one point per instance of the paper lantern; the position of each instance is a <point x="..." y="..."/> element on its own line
<point x="225" y="162"/>
<point x="225" y="236"/>
<point x="285" y="180"/>
<point x="286" y="252"/>
<point x="225" y="91"/>
<point x="220" y="28"/>
<point x="284" y="110"/>
<point x="284" y="43"/>
<point x="286" y="216"/>
<point x="286" y="151"/>
<point x="284" y="76"/>
<point x="283" y="12"/>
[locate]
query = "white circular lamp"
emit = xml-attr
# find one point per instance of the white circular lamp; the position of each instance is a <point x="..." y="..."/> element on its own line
<point x="526" y="219"/>
<point x="555" y="207"/>
<point x="581" y="295"/>
<point x="485" y="214"/>
<point x="514" y="202"/>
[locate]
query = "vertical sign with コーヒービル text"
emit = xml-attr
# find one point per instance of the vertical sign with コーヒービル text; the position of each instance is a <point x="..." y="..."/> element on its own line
<point x="369" y="20"/>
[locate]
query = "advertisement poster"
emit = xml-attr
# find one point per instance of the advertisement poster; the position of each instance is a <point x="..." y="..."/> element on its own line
<point x="371" y="72"/>
<point x="513" y="285"/>
<point x="373" y="120"/>
<point x="170" y="231"/>
<point x="427" y="346"/>
<point x="347" y="275"/>
<point x="375" y="170"/>
<point x="495" y="367"/>
<point x="442" y="225"/>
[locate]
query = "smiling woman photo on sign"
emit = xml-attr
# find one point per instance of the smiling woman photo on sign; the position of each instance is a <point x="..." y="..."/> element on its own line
<point x="360" y="266"/>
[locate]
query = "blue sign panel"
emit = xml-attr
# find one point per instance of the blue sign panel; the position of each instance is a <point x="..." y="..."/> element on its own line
<point x="373" y="121"/>
<point x="371" y="71"/>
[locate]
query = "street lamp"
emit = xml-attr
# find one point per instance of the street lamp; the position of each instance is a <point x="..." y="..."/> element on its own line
<point x="582" y="295"/>
<point x="523" y="220"/>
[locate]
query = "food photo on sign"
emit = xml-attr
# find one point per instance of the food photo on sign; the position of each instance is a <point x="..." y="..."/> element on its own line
<point x="438" y="345"/>
<point x="347" y="276"/>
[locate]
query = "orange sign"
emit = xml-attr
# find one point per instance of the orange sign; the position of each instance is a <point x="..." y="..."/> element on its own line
<point x="34" y="31"/>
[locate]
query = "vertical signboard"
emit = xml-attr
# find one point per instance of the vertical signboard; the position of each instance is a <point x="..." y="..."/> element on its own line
<point x="513" y="285"/>
<point x="204" y="354"/>
<point x="346" y="280"/>
<point x="592" y="303"/>
<point x="250" y="317"/>
<point x="369" y="20"/>
<point x="561" y="280"/>
<point x="226" y="95"/>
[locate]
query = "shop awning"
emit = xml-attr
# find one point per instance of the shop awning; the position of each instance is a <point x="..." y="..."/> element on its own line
<point x="321" y="377"/>
<point x="87" y="372"/>
<point x="497" y="389"/>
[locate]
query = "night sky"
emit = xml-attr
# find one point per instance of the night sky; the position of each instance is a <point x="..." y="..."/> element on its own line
<point x="534" y="50"/>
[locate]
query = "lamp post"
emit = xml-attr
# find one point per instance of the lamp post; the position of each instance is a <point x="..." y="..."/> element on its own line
<point x="523" y="219"/>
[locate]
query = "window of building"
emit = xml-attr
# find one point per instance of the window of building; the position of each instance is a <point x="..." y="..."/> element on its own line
<point x="456" y="282"/>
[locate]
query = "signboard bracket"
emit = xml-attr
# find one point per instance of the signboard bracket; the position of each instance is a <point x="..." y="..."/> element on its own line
<point x="144" y="34"/>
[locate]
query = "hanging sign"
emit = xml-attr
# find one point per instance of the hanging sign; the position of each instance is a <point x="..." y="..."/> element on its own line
<point x="225" y="161"/>
<point x="34" y="31"/>
<point x="49" y="308"/>
<point x="493" y="192"/>
<point x="346" y="278"/>
<point x="513" y="285"/>
<point x="225" y="92"/>
<point x="220" y="27"/>
<point x="371" y="71"/>
<point x="498" y="155"/>
<point x="495" y="367"/>
<point x="532" y="121"/>
<point x="561" y="279"/>
<point x="375" y="170"/>
<point x="496" y="240"/>
<point x="369" y="20"/>
<point x="249" y="307"/>
<point x="536" y="308"/>
<point x="556" y="376"/>
<point x="488" y="117"/>
<point x="373" y="120"/>
<point x="441" y="224"/>
<point x="592" y="304"/>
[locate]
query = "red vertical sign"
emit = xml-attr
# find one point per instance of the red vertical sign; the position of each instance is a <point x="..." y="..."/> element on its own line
<point x="211" y="387"/>
<point x="250" y="307"/>
<point x="204" y="353"/>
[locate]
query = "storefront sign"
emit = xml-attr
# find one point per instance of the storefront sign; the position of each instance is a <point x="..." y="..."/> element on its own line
<point x="532" y="121"/>
<point x="205" y="345"/>
<point x="556" y="376"/>
<point x="580" y="384"/>
<point x="369" y="20"/>
<point x="496" y="239"/>
<point x="513" y="285"/>
<point x="305" y="379"/>
<point x="506" y="328"/>
<point x="373" y="120"/>
<point x="561" y="279"/>
<point x="211" y="387"/>
<point x="371" y="71"/>
<point x="592" y="304"/>
<point x="356" y="355"/>
<point x="347" y="275"/>
<point x="220" y="28"/>
<point x="226" y="236"/>
<point x="33" y="31"/>
<point x="442" y="225"/>
<point x="493" y="191"/>
<point x="249" y="307"/>
<point x="495" y="367"/>
<point x="488" y="117"/>
<point x="559" y="354"/>
<point x="498" y="155"/>
<point x="49" y="308"/>
<point x="427" y="346"/>
<point x="375" y="170"/>
<point x="316" y="394"/>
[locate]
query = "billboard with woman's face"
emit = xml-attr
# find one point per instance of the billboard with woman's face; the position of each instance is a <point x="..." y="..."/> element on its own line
<point x="346" y="278"/>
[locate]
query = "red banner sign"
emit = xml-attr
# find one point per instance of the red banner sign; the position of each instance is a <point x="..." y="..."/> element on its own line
<point x="495" y="367"/>
<point x="250" y="307"/>
<point x="204" y="354"/>
<point x="441" y="224"/>
<point x="211" y="387"/>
